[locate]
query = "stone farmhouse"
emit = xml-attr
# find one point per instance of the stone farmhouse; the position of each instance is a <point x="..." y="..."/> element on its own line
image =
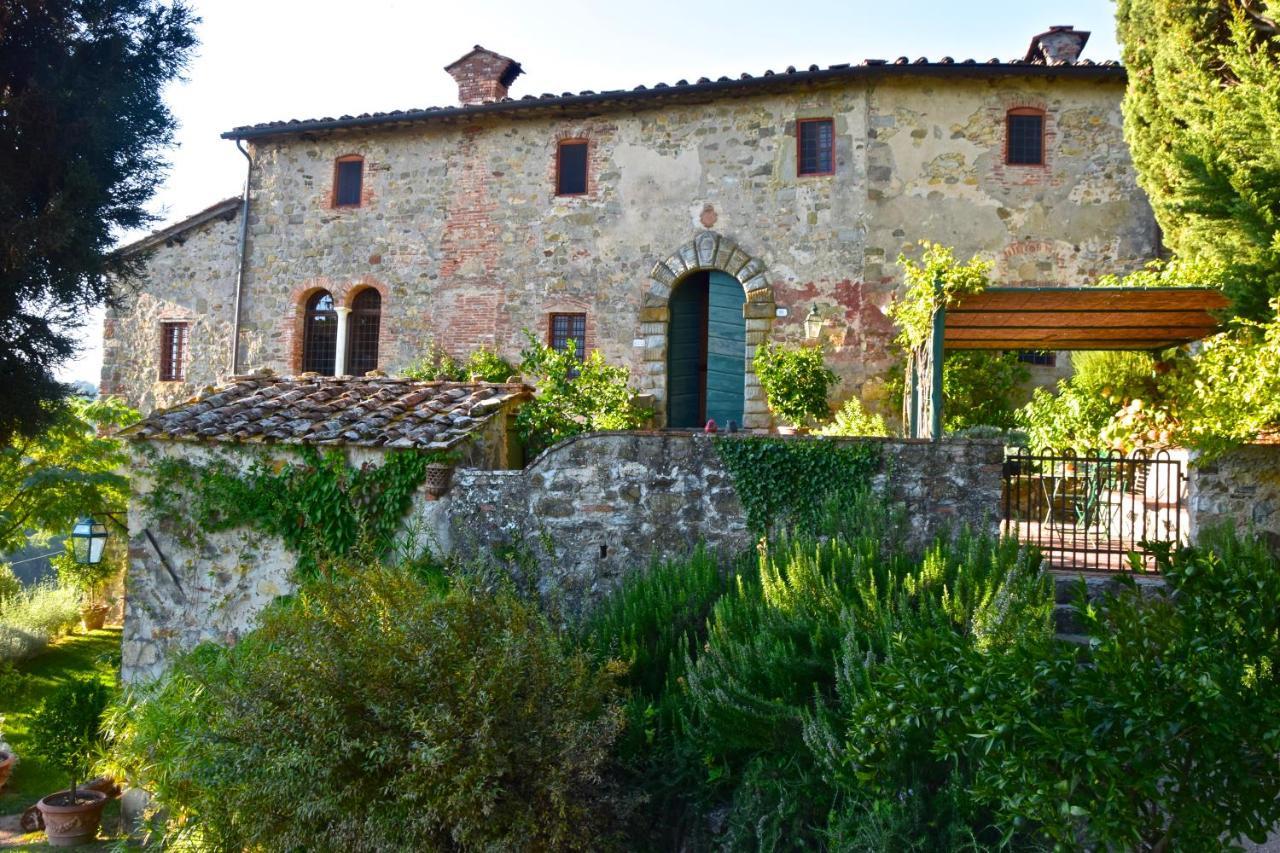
<point x="673" y="226"/>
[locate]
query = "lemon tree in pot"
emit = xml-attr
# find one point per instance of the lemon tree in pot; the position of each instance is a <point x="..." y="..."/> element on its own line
<point x="795" y="382"/>
<point x="66" y="731"/>
<point x="91" y="580"/>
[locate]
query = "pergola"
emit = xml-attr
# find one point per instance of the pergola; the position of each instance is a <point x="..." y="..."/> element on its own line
<point x="1052" y="318"/>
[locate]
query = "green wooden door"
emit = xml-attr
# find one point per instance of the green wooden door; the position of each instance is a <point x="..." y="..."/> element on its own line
<point x="686" y="367"/>
<point x="726" y="349"/>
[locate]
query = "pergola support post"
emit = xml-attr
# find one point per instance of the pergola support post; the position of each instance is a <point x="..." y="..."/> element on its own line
<point x="936" y="356"/>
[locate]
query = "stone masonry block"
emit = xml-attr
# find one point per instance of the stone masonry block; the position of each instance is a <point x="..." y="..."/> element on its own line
<point x="762" y="295"/>
<point x="724" y="251"/>
<point x="689" y="255"/>
<point x="705" y="244"/>
<point x="758" y="311"/>
<point x="655" y="314"/>
<point x="736" y="261"/>
<point x="750" y="270"/>
<point x="663" y="274"/>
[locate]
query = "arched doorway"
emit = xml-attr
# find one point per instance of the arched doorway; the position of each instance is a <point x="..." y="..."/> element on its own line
<point x="706" y="351"/>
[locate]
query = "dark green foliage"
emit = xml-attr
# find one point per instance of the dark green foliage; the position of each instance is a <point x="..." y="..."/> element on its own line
<point x="574" y="396"/>
<point x="1160" y="736"/>
<point x="788" y="484"/>
<point x="979" y="389"/>
<point x="82" y="127"/>
<point x="66" y="728"/>
<point x="376" y="712"/>
<point x="319" y="506"/>
<point x="1202" y="124"/>
<point x="482" y="364"/>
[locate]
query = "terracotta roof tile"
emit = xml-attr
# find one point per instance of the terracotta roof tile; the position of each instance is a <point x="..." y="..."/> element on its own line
<point x="369" y="411"/>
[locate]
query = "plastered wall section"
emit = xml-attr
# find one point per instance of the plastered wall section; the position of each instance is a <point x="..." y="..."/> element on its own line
<point x="461" y="231"/>
<point x="191" y="281"/>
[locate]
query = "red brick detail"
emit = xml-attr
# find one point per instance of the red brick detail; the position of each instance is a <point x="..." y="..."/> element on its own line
<point x="470" y="234"/>
<point x="291" y="325"/>
<point x="597" y="159"/>
<point x="479" y="76"/>
<point x="1018" y="175"/>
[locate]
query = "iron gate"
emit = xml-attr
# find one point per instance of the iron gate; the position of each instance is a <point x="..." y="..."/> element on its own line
<point x="1093" y="512"/>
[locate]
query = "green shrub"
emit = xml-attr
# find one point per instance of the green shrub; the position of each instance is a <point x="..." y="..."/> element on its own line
<point x="1088" y="410"/>
<point x="486" y="365"/>
<point x="34" y="616"/>
<point x="436" y="365"/>
<point x="374" y="712"/>
<point x="979" y="389"/>
<point x="795" y="382"/>
<point x="574" y="396"/>
<point x="9" y="583"/>
<point x="853" y="419"/>
<point x="67" y="727"/>
<point x="88" y="579"/>
<point x="1148" y="740"/>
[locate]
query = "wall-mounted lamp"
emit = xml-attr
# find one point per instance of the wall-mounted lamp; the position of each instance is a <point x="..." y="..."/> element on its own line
<point x="813" y="324"/>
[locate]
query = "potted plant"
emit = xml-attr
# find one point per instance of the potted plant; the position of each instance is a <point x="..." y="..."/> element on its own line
<point x="795" y="382"/>
<point x="91" y="581"/>
<point x="66" y="730"/>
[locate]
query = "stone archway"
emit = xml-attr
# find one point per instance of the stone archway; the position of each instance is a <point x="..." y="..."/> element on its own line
<point x="707" y="251"/>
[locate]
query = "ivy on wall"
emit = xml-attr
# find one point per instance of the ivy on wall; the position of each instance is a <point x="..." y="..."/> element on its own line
<point x="319" y="506"/>
<point x="788" y="484"/>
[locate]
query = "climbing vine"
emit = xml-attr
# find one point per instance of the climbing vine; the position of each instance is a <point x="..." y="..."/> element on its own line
<point x="789" y="484"/>
<point x="319" y="506"/>
<point x="914" y="312"/>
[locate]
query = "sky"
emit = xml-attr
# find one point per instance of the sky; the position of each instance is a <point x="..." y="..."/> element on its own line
<point x="265" y="60"/>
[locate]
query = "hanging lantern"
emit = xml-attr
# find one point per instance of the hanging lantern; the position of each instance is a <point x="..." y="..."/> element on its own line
<point x="88" y="540"/>
<point x="813" y="324"/>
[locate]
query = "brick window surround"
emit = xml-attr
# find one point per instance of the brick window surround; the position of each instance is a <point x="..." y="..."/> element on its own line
<point x="1024" y="138"/>
<point x="562" y="328"/>
<point x="320" y="335"/>
<point x="815" y="147"/>
<point x="572" y="165"/>
<point x="173" y="351"/>
<point x="348" y="180"/>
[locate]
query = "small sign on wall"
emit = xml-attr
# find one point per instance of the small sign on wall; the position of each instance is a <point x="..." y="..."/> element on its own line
<point x="637" y="342"/>
<point x="781" y="312"/>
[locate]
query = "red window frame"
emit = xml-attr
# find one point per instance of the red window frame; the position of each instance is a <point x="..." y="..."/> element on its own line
<point x="173" y="351"/>
<point x="337" y="170"/>
<point x="800" y="124"/>
<point x="557" y="338"/>
<point x="586" y="166"/>
<point x="1025" y="111"/>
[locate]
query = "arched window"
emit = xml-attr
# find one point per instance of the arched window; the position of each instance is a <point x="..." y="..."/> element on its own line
<point x="320" y="335"/>
<point x="362" y="332"/>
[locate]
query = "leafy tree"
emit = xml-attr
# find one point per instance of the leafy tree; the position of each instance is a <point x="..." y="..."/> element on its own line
<point x="67" y="470"/>
<point x="979" y="388"/>
<point x="82" y="126"/>
<point x="795" y="382"/>
<point x="574" y="396"/>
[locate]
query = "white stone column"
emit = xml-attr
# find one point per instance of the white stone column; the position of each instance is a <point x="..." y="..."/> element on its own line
<point x="340" y="356"/>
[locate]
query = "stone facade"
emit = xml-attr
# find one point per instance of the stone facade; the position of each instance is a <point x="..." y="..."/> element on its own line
<point x="585" y="512"/>
<point x="190" y="277"/>
<point x="1240" y="489"/>
<point x="462" y="233"/>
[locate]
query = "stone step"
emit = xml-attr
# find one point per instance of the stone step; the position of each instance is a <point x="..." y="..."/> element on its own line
<point x="1067" y="584"/>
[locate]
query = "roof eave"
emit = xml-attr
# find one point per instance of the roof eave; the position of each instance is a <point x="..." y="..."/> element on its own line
<point x="627" y="96"/>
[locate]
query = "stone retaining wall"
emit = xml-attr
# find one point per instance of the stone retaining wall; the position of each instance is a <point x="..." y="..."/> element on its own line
<point x="1240" y="489"/>
<point x="578" y="518"/>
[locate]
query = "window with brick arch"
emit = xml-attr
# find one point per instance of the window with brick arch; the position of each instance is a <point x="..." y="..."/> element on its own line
<point x="571" y="167"/>
<point x="815" y="143"/>
<point x="1024" y="137"/>
<point x="569" y="327"/>
<point x="173" y="351"/>
<point x="362" y="332"/>
<point x="320" y="335"/>
<point x="348" y="180"/>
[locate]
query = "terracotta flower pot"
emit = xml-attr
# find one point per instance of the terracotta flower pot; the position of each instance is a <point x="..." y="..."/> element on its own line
<point x="93" y="616"/>
<point x="7" y="760"/>
<point x="67" y="825"/>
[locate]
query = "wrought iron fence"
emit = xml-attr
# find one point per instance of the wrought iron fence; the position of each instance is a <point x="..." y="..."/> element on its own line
<point x="1094" y="512"/>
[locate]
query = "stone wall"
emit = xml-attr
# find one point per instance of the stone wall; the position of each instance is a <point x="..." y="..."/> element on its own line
<point x="1240" y="489"/>
<point x="461" y="232"/>
<point x="190" y="279"/>
<point x="585" y="513"/>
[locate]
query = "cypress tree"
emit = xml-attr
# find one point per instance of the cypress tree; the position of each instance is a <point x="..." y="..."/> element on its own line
<point x="1202" y="117"/>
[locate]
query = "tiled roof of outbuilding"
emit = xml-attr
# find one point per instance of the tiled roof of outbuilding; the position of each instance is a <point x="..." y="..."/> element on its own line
<point x="369" y="411"/>
<point x="872" y="68"/>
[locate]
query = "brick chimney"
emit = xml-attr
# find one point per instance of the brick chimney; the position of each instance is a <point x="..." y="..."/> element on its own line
<point x="482" y="75"/>
<point x="1061" y="45"/>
